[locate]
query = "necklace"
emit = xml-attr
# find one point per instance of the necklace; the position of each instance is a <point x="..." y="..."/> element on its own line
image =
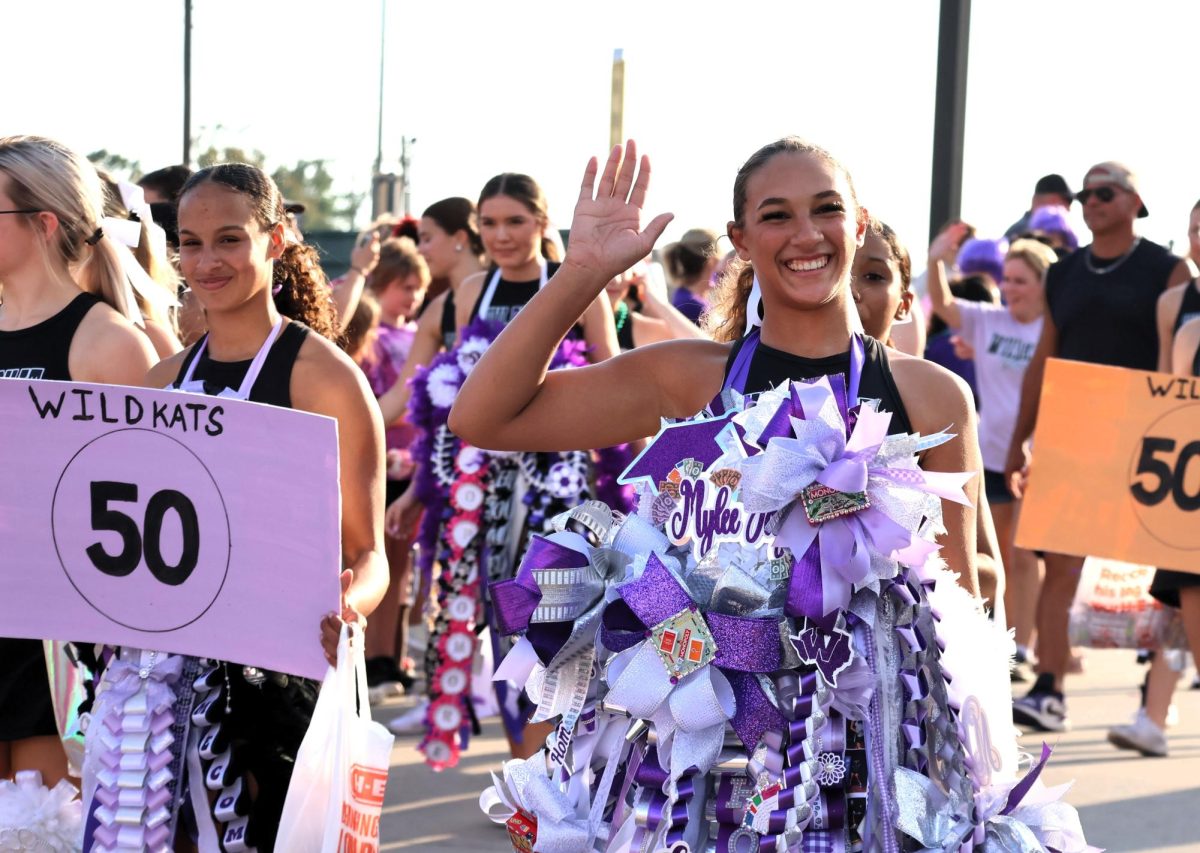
<point x="1089" y="259"/>
<point x="621" y="315"/>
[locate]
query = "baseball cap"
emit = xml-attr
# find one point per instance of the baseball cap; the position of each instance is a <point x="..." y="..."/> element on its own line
<point x="979" y="255"/>
<point x="1117" y="174"/>
<point x="1055" y="184"/>
<point x="293" y="207"/>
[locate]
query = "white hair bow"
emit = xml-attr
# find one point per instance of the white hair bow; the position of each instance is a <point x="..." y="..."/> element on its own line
<point x="125" y="235"/>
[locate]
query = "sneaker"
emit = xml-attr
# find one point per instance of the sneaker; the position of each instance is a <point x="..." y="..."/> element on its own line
<point x="384" y="692"/>
<point x="1141" y="735"/>
<point x="385" y="680"/>
<point x="1021" y="671"/>
<point x="1045" y="712"/>
<point x="412" y="721"/>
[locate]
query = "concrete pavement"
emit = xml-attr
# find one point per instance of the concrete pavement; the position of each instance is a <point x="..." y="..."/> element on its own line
<point x="1126" y="802"/>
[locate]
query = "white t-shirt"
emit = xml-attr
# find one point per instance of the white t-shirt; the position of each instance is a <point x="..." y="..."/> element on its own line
<point x="1003" y="348"/>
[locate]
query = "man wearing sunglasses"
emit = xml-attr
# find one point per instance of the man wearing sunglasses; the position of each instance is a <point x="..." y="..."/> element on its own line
<point x="1102" y="310"/>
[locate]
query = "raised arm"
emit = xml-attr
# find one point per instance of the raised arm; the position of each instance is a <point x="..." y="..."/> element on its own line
<point x="942" y="252"/>
<point x="510" y="401"/>
<point x="349" y="287"/>
<point x="599" y="330"/>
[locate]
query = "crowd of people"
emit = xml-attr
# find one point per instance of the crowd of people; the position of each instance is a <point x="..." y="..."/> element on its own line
<point x="435" y="346"/>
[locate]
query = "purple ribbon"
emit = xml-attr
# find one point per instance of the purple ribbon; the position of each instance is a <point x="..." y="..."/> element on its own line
<point x="1022" y="788"/>
<point x="656" y="595"/>
<point x="739" y="371"/>
<point x="514" y="600"/>
<point x="744" y="645"/>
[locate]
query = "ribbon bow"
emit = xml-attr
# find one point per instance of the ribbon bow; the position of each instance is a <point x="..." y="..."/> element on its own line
<point x="1026" y="817"/>
<point x="838" y="496"/>
<point x="655" y="625"/>
<point x="126" y="677"/>
<point x="526" y="787"/>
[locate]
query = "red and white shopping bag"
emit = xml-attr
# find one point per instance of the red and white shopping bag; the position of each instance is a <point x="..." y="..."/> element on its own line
<point x="336" y="796"/>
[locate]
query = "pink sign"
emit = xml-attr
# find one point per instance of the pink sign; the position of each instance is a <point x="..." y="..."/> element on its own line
<point x="169" y="521"/>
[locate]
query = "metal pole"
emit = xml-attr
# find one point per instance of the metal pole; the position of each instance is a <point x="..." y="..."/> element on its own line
<point x="405" y="162"/>
<point x="616" y="133"/>
<point x="950" y="114"/>
<point x="187" y="82"/>
<point x="382" y="54"/>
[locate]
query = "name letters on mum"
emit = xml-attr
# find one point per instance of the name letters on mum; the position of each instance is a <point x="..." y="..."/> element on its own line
<point x="708" y="514"/>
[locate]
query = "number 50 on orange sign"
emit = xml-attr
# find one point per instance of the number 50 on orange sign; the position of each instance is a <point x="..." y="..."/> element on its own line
<point x="1116" y="467"/>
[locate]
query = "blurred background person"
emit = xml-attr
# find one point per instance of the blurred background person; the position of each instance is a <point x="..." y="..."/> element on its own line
<point x="396" y="288"/>
<point x="691" y="264"/>
<point x="1050" y="190"/>
<point x="973" y="268"/>
<point x="1003" y="339"/>
<point x="1102" y="308"/>
<point x="1052" y="226"/>
<point x="642" y="312"/>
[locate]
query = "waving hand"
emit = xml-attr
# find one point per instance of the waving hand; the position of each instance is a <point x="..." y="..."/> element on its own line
<point x="606" y="233"/>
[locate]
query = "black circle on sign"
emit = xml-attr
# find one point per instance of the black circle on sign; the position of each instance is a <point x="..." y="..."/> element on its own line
<point x="1137" y="508"/>
<point x="224" y="511"/>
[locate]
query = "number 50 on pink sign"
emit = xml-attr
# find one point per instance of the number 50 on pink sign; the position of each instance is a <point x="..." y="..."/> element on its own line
<point x="168" y="521"/>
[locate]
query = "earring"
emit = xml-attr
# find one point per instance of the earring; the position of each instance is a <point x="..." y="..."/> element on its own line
<point x="458" y="247"/>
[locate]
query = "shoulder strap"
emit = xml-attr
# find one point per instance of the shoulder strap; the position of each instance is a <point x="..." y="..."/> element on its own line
<point x="878" y="382"/>
<point x="76" y="310"/>
<point x="449" y="318"/>
<point x="275" y="378"/>
<point x="185" y="366"/>
<point x="287" y="348"/>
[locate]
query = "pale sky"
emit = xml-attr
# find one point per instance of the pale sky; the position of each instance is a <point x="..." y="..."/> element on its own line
<point x="487" y="87"/>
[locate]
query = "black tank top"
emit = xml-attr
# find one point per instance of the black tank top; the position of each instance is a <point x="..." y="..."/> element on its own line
<point x="1189" y="309"/>
<point x="449" y="322"/>
<point x="273" y="385"/>
<point x="43" y="351"/>
<point x="1109" y="317"/>
<point x="771" y="367"/>
<point x="510" y="297"/>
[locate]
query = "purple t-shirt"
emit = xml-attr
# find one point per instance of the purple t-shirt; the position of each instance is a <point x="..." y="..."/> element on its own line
<point x="383" y="365"/>
<point x="688" y="305"/>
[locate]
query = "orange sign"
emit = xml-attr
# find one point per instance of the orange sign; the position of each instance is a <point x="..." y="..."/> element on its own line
<point x="1116" y="467"/>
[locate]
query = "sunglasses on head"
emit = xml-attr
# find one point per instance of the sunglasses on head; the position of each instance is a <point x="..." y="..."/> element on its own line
<point x="1105" y="194"/>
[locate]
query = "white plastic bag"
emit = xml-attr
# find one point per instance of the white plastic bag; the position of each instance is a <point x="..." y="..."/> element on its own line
<point x="1113" y="609"/>
<point x="336" y="795"/>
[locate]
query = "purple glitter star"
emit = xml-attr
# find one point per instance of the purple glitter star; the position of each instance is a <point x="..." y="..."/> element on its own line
<point x="674" y="443"/>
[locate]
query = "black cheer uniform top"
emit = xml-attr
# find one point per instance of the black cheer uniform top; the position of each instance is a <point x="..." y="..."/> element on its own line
<point x="770" y="367"/>
<point x="41" y="351"/>
<point x="507" y="301"/>
<point x="267" y="717"/>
